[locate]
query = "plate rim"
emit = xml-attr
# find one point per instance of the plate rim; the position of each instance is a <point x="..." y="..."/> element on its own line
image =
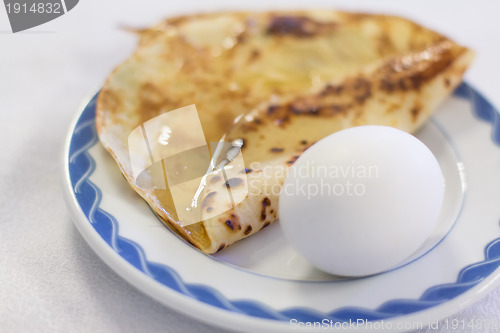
<point x="242" y="321"/>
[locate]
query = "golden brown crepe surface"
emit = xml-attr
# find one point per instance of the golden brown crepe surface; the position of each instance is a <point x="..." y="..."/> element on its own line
<point x="296" y="76"/>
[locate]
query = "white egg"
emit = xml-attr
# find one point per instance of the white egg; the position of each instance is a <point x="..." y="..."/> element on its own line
<point x="361" y="200"/>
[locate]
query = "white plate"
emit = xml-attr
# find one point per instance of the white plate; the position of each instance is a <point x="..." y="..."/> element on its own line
<point x="260" y="284"/>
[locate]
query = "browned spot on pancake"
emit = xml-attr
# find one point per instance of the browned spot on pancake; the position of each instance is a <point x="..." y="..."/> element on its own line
<point x="215" y="179"/>
<point x="282" y="120"/>
<point x="254" y="55"/>
<point x="331" y="90"/>
<point x="298" y="26"/>
<point x="447" y="82"/>
<point x="208" y="199"/>
<point x="414" y="113"/>
<point x="249" y="126"/>
<point x="386" y="84"/>
<point x="276" y="150"/>
<point x="177" y="20"/>
<point x="229" y="223"/>
<point x="241" y="38"/>
<point x="411" y="71"/>
<point x="308" y="146"/>
<point x="362" y="90"/>
<point x="235" y="221"/>
<point x="266" y="224"/>
<point x="248" y="230"/>
<point x="272" y="108"/>
<point x="332" y="100"/>
<point x="221" y="247"/>
<point x="265" y="203"/>
<point x="337" y="108"/>
<point x="303" y="142"/>
<point x="293" y="159"/>
<point x="233" y="182"/>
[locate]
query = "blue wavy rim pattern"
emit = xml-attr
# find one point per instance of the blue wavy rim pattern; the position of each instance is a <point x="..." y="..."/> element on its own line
<point x="81" y="165"/>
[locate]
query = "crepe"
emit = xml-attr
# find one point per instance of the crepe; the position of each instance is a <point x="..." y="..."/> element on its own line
<point x="277" y="80"/>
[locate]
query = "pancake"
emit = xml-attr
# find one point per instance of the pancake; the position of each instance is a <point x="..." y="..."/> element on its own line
<point x="278" y="81"/>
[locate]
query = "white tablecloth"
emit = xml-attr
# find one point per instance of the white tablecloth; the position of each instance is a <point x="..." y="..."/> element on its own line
<point x="50" y="280"/>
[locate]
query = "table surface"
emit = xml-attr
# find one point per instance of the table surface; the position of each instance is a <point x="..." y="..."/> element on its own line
<point x="50" y="279"/>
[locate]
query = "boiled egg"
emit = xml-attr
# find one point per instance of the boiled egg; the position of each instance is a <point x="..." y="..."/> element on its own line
<point x="361" y="200"/>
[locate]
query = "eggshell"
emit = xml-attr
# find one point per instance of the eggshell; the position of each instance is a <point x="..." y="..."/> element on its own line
<point x="361" y="200"/>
